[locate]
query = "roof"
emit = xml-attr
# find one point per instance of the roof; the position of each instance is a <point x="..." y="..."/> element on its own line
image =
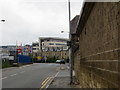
<point x="55" y="38"/>
<point x="85" y="12"/>
<point x="74" y="24"/>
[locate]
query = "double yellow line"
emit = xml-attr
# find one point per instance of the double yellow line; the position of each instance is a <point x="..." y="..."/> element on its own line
<point x="45" y="82"/>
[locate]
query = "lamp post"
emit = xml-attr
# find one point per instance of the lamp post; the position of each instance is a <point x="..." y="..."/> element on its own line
<point x="70" y="49"/>
<point x="2" y="20"/>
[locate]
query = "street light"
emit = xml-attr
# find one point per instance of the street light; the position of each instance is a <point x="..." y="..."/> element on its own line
<point x="64" y="32"/>
<point x="70" y="49"/>
<point x="2" y="20"/>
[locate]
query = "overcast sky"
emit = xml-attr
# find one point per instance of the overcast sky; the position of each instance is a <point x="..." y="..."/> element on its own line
<point x="26" y="20"/>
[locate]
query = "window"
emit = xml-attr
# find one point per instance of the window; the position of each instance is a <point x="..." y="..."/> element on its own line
<point x="51" y="43"/>
<point x="33" y="48"/>
<point x="59" y="44"/>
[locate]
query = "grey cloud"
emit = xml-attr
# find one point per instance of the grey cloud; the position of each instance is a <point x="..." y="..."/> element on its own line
<point x="26" y="21"/>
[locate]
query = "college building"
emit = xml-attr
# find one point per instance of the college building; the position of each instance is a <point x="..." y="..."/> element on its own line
<point x="51" y="47"/>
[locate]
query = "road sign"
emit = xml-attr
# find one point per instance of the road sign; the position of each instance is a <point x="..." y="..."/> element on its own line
<point x="19" y="50"/>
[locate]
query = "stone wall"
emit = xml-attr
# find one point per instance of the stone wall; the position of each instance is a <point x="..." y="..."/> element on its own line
<point x="96" y="62"/>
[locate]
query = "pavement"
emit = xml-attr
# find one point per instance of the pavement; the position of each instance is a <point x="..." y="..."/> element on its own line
<point x="62" y="79"/>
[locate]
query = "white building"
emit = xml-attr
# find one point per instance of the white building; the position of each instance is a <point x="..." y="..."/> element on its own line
<point x="52" y="44"/>
<point x="35" y="49"/>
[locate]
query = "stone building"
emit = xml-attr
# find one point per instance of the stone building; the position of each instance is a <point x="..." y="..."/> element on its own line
<point x="96" y="45"/>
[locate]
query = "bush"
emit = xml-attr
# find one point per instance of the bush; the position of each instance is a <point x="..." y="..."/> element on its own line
<point x="51" y="59"/>
<point x="6" y="63"/>
<point x="34" y="59"/>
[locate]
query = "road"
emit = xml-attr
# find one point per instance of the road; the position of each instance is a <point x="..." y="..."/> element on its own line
<point x="29" y="76"/>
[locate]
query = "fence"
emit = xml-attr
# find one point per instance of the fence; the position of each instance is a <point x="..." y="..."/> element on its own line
<point x="24" y="59"/>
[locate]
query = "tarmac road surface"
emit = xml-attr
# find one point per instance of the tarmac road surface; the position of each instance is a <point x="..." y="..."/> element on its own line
<point x="35" y="75"/>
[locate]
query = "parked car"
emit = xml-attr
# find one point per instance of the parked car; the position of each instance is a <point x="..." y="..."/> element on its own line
<point x="60" y="61"/>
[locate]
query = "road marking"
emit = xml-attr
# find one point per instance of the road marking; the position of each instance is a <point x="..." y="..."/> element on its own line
<point x="47" y="86"/>
<point x="24" y="66"/>
<point x="56" y="74"/>
<point x="46" y="82"/>
<point x="22" y="72"/>
<point x="4" y="78"/>
<point x="52" y="79"/>
<point x="13" y="74"/>
<point x="49" y="82"/>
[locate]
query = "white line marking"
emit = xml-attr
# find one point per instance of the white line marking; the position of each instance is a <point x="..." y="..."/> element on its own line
<point x="47" y="86"/>
<point x="13" y="74"/>
<point x="22" y="72"/>
<point x="24" y="66"/>
<point x="4" y="78"/>
<point x="56" y="74"/>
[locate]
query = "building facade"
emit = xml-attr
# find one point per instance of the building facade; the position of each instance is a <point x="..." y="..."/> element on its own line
<point x="35" y="49"/>
<point x="53" y="44"/>
<point x="49" y="46"/>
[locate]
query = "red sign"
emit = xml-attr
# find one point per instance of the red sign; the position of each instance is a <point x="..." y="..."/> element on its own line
<point x="19" y="50"/>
